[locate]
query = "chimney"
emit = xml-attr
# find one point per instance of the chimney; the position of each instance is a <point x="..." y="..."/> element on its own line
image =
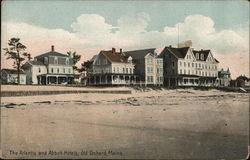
<point x="52" y="48"/>
<point x="120" y="50"/>
<point x="170" y="46"/>
<point x="113" y="50"/>
<point x="29" y="57"/>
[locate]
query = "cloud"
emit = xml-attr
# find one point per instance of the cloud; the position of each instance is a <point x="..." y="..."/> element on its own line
<point x="91" y="33"/>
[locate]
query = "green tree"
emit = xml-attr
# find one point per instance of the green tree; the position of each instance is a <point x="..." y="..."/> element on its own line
<point x="76" y="58"/>
<point x="16" y="52"/>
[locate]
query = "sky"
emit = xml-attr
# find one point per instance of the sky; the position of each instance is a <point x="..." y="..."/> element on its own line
<point x="90" y="26"/>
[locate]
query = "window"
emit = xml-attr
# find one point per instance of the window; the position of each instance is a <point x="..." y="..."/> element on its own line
<point x="52" y="70"/>
<point x="57" y="70"/>
<point x="63" y="70"/>
<point x="202" y="56"/>
<point x="69" y="70"/>
<point x="184" y="64"/>
<point x="188" y="64"/>
<point x="39" y="70"/>
<point x="192" y="64"/>
<point x="126" y="70"/>
<point x="114" y="69"/>
<point x="159" y="61"/>
<point x="199" y="65"/>
<point x="173" y="63"/>
<point x="56" y="61"/>
<point x="180" y="71"/>
<point x="67" y="61"/>
<point x="117" y="69"/>
<point x="46" y="60"/>
<point x="197" y="55"/>
<point x="149" y="61"/>
<point x="180" y="63"/>
<point x="184" y="71"/>
<point x="150" y="78"/>
<point x="188" y="71"/>
<point x="196" y="65"/>
<point x="123" y="70"/>
<point x="131" y="70"/>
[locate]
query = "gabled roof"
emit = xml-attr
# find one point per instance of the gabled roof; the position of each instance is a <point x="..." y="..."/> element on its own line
<point x="115" y="56"/>
<point x="53" y="53"/>
<point x="178" y="52"/>
<point x="12" y="71"/>
<point x="204" y="52"/>
<point x="140" y="54"/>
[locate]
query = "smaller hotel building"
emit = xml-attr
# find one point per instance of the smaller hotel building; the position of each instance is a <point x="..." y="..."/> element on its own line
<point x="49" y="68"/>
<point x="112" y="68"/>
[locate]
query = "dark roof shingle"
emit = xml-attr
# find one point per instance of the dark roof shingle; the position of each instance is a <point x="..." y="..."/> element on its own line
<point x="53" y="53"/>
<point x="140" y="54"/>
<point x="116" y="56"/>
<point x="178" y="52"/>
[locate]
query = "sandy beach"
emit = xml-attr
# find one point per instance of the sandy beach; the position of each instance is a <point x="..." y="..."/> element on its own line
<point x="181" y="123"/>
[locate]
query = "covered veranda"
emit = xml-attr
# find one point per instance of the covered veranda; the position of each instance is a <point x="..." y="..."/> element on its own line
<point x="113" y="79"/>
<point x="46" y="79"/>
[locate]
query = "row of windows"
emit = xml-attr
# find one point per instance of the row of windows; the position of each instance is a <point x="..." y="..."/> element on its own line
<point x="56" y="70"/>
<point x="150" y="61"/>
<point x="201" y="73"/>
<point x="151" y="70"/>
<point x="124" y="70"/>
<point x="151" y="79"/>
<point x="55" y="60"/>
<point x="197" y="65"/>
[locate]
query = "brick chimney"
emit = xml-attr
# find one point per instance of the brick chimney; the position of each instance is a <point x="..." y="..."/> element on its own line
<point x="113" y="50"/>
<point x="170" y="46"/>
<point x="52" y="48"/>
<point x="120" y="50"/>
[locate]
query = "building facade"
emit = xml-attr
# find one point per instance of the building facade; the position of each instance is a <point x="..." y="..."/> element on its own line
<point x="148" y="66"/>
<point x="10" y="76"/>
<point x="112" y="68"/>
<point x="50" y="68"/>
<point x="188" y="67"/>
<point x="224" y="77"/>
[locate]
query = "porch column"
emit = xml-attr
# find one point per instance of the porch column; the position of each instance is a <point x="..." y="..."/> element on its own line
<point x="57" y="80"/>
<point x="112" y="79"/>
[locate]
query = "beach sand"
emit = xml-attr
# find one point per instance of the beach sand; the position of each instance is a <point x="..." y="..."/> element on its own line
<point x="181" y="123"/>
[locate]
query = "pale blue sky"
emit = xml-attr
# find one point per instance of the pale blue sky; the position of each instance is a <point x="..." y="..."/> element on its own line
<point x="222" y="26"/>
<point x="61" y="14"/>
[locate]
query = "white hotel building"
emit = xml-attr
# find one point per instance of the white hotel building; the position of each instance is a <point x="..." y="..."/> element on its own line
<point x="187" y="67"/>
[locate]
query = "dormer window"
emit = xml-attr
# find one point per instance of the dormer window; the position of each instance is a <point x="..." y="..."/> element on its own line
<point x="56" y="60"/>
<point x="202" y="56"/>
<point x="45" y="60"/>
<point x="67" y="61"/>
<point x="197" y="55"/>
<point x="129" y="59"/>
